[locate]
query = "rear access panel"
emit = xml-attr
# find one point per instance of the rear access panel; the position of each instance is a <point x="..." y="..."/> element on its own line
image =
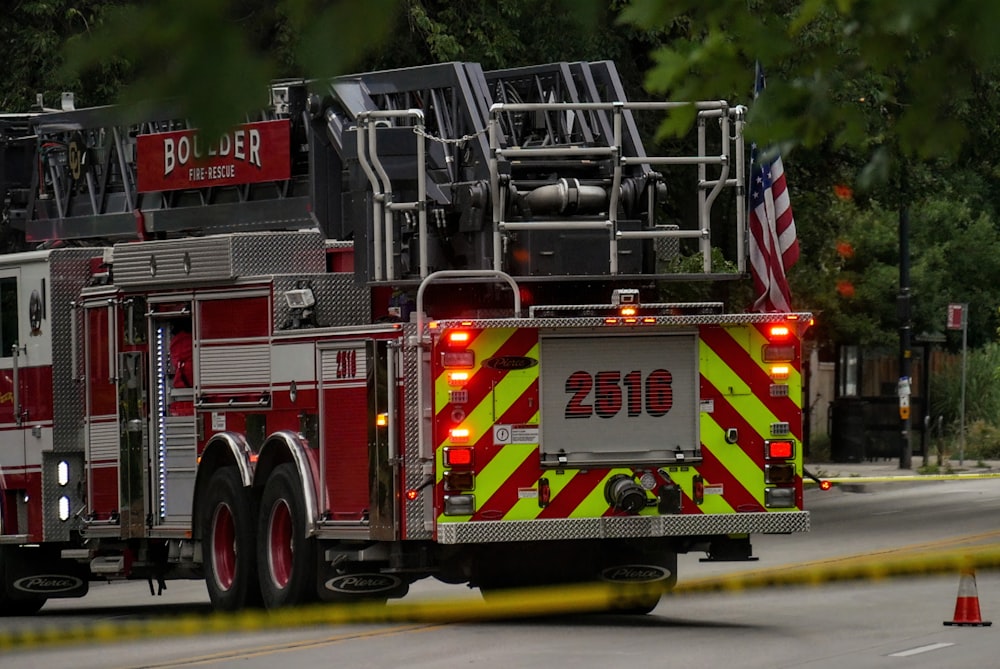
<point x="613" y="400"/>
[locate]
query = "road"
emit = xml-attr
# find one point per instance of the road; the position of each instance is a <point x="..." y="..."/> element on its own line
<point x="881" y="623"/>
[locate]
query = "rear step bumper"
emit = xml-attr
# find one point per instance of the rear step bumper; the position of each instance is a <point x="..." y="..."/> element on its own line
<point x="623" y="527"/>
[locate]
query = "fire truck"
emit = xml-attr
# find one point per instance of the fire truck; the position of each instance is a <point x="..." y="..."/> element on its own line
<point x="401" y="324"/>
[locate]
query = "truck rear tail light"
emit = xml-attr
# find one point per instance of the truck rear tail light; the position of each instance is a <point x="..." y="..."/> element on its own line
<point x="458" y="359"/>
<point x="779" y="449"/>
<point x="459" y="505"/>
<point x="698" y="490"/>
<point x="459" y="481"/>
<point x="779" y="497"/>
<point x="544" y="493"/>
<point x="776" y="474"/>
<point x="461" y="458"/>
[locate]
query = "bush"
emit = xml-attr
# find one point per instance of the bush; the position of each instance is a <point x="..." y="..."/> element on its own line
<point x="982" y="441"/>
<point x="818" y="449"/>
<point x="982" y="389"/>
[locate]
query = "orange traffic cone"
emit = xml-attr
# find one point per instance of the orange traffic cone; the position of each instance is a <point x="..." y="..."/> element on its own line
<point x="967" y="605"/>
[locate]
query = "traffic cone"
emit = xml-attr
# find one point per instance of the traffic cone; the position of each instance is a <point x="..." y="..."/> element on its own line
<point x="967" y="605"/>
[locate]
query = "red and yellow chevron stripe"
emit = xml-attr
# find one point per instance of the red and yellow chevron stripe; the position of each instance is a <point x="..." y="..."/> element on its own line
<point x="735" y="393"/>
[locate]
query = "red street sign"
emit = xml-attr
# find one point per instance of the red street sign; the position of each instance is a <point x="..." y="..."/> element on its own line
<point x="956" y="316"/>
<point x="249" y="153"/>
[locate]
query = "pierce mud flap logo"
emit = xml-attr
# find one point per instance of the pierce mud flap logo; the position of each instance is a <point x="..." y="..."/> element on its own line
<point x="509" y="362"/>
<point x="359" y="584"/>
<point x="635" y="573"/>
<point x="48" y="584"/>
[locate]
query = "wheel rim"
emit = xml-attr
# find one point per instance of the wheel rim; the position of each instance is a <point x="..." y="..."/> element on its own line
<point x="279" y="543"/>
<point x="224" y="546"/>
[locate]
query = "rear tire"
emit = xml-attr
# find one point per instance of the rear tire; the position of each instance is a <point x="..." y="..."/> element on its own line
<point x="287" y="558"/>
<point x="638" y="605"/>
<point x="228" y="542"/>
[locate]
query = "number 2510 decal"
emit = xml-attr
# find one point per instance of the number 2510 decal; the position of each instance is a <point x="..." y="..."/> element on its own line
<point x="612" y="391"/>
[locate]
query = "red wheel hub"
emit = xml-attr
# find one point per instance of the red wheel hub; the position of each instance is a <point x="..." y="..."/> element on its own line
<point x="279" y="543"/>
<point x="224" y="546"/>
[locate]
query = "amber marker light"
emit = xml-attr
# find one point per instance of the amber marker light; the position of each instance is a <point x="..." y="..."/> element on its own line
<point x="457" y="378"/>
<point x="459" y="435"/>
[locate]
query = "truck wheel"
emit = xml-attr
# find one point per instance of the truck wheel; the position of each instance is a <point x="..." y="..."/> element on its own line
<point x="228" y="543"/>
<point x="638" y="605"/>
<point x="16" y="606"/>
<point x="286" y="556"/>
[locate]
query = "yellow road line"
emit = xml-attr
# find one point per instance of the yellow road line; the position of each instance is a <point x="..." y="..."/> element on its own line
<point x="262" y="651"/>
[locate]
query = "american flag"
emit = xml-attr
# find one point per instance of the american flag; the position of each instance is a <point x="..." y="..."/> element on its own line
<point x="774" y="248"/>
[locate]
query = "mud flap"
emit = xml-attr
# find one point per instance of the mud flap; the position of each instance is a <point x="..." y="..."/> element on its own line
<point x="28" y="574"/>
<point x="640" y="570"/>
<point x="359" y="582"/>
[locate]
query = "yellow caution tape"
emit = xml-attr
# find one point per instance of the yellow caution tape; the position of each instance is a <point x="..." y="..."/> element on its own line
<point x="902" y="478"/>
<point x="509" y="604"/>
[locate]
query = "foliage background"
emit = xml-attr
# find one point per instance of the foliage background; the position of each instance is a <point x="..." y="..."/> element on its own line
<point x="874" y="104"/>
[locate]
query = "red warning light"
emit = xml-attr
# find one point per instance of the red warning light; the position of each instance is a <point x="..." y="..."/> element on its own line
<point x="459" y="337"/>
<point x="778" y="332"/>
<point x="825" y="485"/>
<point x="457" y="457"/>
<point x="779" y="448"/>
<point x="412" y="494"/>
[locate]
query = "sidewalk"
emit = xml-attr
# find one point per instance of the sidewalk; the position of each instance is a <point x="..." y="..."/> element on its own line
<point x="886" y="468"/>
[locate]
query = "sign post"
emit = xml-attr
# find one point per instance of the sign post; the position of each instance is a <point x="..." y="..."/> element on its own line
<point x="958" y="319"/>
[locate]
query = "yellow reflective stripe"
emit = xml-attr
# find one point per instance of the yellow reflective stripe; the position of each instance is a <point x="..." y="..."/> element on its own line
<point x="722" y="376"/>
<point x="500" y="469"/>
<point x="595" y="503"/>
<point x="486" y="343"/>
<point x="737" y="462"/>
<point x="480" y="419"/>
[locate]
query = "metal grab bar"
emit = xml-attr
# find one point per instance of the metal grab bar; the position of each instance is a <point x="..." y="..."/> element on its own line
<point x="730" y="120"/>
<point x="383" y="206"/>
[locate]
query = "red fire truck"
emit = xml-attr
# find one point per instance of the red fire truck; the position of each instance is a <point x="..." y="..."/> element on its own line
<point x="400" y="324"/>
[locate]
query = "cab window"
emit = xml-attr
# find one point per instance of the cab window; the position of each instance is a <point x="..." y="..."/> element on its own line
<point x="8" y="315"/>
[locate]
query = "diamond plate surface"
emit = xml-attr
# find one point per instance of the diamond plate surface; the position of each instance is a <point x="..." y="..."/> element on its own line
<point x="594" y="322"/>
<point x="340" y="301"/>
<point x="413" y="476"/>
<point x="219" y="258"/>
<point x="622" y="527"/>
<point x="69" y="271"/>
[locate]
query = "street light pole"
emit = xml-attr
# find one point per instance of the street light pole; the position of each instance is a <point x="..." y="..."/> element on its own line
<point x="905" y="352"/>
